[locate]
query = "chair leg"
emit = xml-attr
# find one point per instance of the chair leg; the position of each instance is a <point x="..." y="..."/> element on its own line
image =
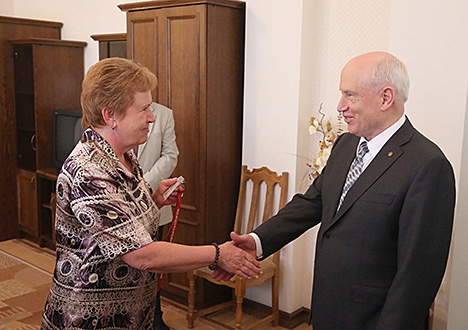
<point x="275" y="299"/>
<point x="240" y="292"/>
<point x="233" y="298"/>
<point x="191" y="300"/>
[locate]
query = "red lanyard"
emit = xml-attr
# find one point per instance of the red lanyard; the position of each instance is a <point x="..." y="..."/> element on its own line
<point x="173" y="226"/>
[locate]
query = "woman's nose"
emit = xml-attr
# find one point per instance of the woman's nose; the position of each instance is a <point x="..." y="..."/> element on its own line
<point x="151" y="117"/>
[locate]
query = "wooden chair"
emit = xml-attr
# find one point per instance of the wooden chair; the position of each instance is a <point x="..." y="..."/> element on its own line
<point x="260" y="197"/>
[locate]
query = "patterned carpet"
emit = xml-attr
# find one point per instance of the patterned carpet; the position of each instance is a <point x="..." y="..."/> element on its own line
<point x="23" y="286"/>
<point x="25" y="276"/>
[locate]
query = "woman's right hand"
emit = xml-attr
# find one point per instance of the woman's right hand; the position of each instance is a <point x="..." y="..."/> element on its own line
<point x="158" y="194"/>
<point x="236" y="261"/>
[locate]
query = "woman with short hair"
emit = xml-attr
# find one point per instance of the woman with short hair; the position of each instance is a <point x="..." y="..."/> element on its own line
<point x="108" y="261"/>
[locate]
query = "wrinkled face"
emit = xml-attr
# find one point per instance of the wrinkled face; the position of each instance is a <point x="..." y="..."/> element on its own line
<point x="133" y="127"/>
<point x="360" y="106"/>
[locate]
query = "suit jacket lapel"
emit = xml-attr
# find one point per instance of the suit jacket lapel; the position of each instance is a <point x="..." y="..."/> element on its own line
<point x="389" y="153"/>
<point x="335" y="187"/>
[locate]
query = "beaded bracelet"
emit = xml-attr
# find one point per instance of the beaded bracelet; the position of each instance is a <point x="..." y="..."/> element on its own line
<point x="215" y="263"/>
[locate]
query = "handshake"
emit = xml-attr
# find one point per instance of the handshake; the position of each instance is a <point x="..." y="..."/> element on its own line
<point x="237" y="257"/>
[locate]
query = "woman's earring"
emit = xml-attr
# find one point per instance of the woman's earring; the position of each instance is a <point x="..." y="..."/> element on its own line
<point x="113" y="127"/>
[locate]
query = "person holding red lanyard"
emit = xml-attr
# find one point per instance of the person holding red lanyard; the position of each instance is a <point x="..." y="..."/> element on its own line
<point x="108" y="258"/>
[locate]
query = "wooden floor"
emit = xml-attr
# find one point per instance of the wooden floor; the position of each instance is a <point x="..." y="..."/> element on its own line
<point x="177" y="321"/>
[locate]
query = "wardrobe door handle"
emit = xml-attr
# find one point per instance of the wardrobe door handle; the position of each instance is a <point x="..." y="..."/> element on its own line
<point x="33" y="142"/>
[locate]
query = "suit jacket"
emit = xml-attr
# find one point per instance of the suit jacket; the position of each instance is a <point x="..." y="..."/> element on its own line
<point x="158" y="156"/>
<point x="380" y="259"/>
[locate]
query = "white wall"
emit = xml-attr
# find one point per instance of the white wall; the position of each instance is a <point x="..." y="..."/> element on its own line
<point x="295" y="50"/>
<point x="272" y="82"/>
<point x="81" y="19"/>
<point x="431" y="37"/>
<point x="458" y="317"/>
<point x="6" y="8"/>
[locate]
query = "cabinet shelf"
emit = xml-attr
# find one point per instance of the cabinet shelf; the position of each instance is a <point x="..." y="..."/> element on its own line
<point x="24" y="92"/>
<point x="23" y="130"/>
<point x="47" y="206"/>
<point x="46" y="181"/>
<point x="25" y="110"/>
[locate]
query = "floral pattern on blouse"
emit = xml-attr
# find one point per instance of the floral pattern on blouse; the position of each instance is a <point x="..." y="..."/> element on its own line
<point x="103" y="211"/>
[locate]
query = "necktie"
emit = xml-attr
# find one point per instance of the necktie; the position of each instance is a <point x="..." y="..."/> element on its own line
<point x="354" y="171"/>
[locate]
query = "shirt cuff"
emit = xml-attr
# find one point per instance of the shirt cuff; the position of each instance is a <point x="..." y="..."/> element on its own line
<point x="258" y="245"/>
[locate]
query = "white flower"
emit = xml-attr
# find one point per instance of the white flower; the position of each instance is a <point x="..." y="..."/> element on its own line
<point x="320" y="162"/>
<point x="325" y="144"/>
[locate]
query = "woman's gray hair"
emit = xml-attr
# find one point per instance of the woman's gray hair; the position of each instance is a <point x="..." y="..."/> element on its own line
<point x="390" y="71"/>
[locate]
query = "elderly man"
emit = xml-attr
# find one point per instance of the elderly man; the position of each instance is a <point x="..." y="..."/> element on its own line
<point x="385" y="202"/>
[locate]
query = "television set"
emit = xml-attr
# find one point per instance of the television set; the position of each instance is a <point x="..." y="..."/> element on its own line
<point x="67" y="132"/>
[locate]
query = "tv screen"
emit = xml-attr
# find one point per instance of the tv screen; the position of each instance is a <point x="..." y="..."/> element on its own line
<point x="67" y="132"/>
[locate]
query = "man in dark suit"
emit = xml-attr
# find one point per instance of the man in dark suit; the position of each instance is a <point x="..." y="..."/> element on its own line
<point x="384" y="240"/>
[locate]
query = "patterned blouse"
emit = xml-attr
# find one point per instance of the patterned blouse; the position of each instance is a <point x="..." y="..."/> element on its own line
<point x="103" y="211"/>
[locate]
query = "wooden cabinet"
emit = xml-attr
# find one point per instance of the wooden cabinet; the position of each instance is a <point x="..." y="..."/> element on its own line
<point x="111" y="45"/>
<point x="27" y="201"/>
<point x="13" y="28"/>
<point x="196" y="49"/>
<point x="47" y="76"/>
<point x="46" y="180"/>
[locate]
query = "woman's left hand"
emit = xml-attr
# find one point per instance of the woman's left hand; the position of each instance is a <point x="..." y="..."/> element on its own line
<point x="163" y="186"/>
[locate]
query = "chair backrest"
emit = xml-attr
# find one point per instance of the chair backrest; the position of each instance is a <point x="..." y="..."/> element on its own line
<point x="260" y="194"/>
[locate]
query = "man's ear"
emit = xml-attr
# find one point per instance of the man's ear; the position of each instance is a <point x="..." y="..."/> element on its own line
<point x="388" y="97"/>
<point x="108" y="116"/>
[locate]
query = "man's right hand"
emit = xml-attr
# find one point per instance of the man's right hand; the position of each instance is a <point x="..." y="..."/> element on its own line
<point x="234" y="260"/>
<point x="246" y="243"/>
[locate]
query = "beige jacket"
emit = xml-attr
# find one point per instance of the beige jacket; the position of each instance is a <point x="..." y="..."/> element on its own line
<point x="158" y="156"/>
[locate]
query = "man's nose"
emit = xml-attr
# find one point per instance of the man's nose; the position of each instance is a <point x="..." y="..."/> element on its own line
<point x="342" y="105"/>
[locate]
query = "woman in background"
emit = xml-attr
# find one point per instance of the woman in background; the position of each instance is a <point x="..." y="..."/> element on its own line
<point x="108" y="261"/>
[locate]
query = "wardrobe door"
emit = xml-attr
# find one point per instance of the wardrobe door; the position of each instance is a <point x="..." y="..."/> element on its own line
<point x="183" y="89"/>
<point x="197" y="53"/>
<point x="169" y="41"/>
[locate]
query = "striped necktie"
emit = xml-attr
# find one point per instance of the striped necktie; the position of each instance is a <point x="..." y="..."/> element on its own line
<point x="354" y="171"/>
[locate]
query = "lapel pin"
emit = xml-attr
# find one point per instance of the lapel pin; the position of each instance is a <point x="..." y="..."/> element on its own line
<point x="390" y="153"/>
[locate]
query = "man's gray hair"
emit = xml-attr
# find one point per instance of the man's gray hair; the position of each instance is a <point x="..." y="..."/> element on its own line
<point x="390" y="71"/>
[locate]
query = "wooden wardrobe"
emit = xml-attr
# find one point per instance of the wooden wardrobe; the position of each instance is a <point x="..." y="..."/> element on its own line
<point x="14" y="28"/>
<point x="196" y="49"/>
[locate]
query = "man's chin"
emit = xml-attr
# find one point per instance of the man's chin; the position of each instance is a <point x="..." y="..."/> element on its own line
<point x="352" y="130"/>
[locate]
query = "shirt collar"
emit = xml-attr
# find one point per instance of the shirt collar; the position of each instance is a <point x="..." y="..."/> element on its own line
<point x="91" y="135"/>
<point x="379" y="141"/>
